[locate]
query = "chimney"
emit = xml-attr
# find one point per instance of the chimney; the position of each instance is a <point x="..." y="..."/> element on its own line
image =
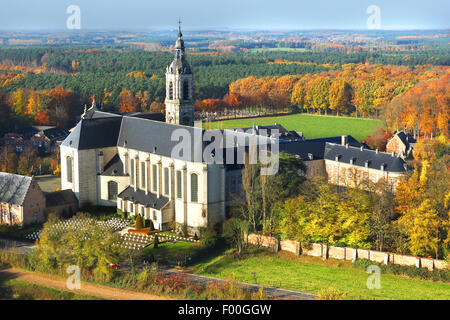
<point x="344" y="140"/>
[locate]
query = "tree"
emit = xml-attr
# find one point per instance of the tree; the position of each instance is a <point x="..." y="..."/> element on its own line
<point x="139" y="223"/>
<point x="383" y="215"/>
<point x="89" y="245"/>
<point x="128" y="102"/>
<point x="378" y="139"/>
<point x="421" y="225"/>
<point x="235" y="230"/>
<point x="319" y="94"/>
<point x="340" y="96"/>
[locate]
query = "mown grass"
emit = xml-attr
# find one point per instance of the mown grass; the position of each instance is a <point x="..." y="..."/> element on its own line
<point x="312" y="126"/>
<point x="310" y="274"/>
<point x="11" y="289"/>
<point x="180" y="253"/>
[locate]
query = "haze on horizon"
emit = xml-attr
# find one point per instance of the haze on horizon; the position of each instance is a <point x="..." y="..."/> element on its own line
<point x="29" y="15"/>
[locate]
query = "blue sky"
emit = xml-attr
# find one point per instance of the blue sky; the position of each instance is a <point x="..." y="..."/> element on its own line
<point x="223" y="14"/>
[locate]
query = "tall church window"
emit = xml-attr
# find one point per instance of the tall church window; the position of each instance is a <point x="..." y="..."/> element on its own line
<point x="185" y="90"/>
<point x="155" y="177"/>
<point x="166" y="181"/>
<point x="69" y="165"/>
<point x="132" y="170"/>
<point x="179" y="193"/>
<point x="112" y="190"/>
<point x="194" y="187"/>
<point x="143" y="181"/>
<point x="170" y="90"/>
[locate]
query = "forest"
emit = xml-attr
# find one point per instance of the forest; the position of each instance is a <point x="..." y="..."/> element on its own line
<point x="50" y="85"/>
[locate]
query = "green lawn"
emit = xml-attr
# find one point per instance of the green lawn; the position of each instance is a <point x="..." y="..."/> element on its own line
<point x="310" y="274"/>
<point x="169" y="253"/>
<point x="18" y="290"/>
<point x="312" y="126"/>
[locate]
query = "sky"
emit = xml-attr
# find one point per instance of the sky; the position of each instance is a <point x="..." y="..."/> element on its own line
<point x="224" y="14"/>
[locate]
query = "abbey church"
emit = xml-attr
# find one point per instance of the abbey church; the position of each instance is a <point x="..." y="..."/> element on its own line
<point x="127" y="160"/>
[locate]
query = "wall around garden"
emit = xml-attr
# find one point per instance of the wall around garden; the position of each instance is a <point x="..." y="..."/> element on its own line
<point x="345" y="253"/>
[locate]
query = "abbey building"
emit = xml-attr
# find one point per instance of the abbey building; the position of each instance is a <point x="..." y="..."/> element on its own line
<point x="128" y="160"/>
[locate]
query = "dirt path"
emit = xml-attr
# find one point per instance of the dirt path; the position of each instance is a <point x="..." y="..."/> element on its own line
<point x="87" y="289"/>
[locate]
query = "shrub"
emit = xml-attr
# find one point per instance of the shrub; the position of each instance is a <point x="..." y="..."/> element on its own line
<point x="330" y="294"/>
<point x="210" y="237"/>
<point x="139" y="223"/>
<point x="155" y="242"/>
<point x="149" y="224"/>
<point x="147" y="276"/>
<point x="121" y="213"/>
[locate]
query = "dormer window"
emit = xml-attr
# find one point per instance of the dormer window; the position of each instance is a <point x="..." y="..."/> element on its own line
<point x="367" y="163"/>
<point x="352" y="160"/>
<point x="310" y="156"/>
<point x="337" y="158"/>
<point x="383" y="167"/>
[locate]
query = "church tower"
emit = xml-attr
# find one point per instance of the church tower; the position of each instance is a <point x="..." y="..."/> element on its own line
<point x="179" y="87"/>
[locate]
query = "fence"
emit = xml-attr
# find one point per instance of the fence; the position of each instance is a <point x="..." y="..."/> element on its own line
<point x="345" y="253"/>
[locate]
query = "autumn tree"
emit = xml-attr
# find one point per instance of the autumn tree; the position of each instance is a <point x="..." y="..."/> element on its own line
<point x="128" y="103"/>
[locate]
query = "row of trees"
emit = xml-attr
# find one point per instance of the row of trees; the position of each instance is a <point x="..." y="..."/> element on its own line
<point x="29" y="163"/>
<point x="56" y="106"/>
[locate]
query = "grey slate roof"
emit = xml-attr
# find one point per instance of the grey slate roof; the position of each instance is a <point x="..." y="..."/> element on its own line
<point x="114" y="167"/>
<point x="59" y="198"/>
<point x="314" y="149"/>
<point x="13" y="188"/>
<point x="149" y="200"/>
<point x="155" y="137"/>
<point x="406" y="138"/>
<point x="94" y="133"/>
<point x="360" y="157"/>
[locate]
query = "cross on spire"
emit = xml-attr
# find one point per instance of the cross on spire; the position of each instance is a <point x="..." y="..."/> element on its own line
<point x="179" y="28"/>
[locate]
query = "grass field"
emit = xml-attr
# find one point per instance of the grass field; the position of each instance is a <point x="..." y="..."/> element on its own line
<point x="310" y="274"/>
<point x="170" y="254"/>
<point x="312" y="126"/>
<point x="18" y="290"/>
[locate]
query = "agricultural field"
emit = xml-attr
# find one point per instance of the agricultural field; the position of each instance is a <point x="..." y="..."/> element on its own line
<point x="311" y="274"/>
<point x="312" y="126"/>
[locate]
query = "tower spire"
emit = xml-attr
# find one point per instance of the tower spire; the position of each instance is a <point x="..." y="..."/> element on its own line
<point x="179" y="28"/>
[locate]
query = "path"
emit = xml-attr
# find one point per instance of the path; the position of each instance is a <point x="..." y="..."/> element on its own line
<point x="87" y="289"/>
<point x="271" y="292"/>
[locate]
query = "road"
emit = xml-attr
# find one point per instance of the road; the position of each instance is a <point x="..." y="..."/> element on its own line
<point x="86" y="289"/>
<point x="271" y="292"/>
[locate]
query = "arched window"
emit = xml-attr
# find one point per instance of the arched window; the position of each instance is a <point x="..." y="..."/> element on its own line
<point x="170" y="90"/>
<point x="185" y="90"/>
<point x="112" y="190"/>
<point x="194" y="187"/>
<point x="69" y="166"/>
